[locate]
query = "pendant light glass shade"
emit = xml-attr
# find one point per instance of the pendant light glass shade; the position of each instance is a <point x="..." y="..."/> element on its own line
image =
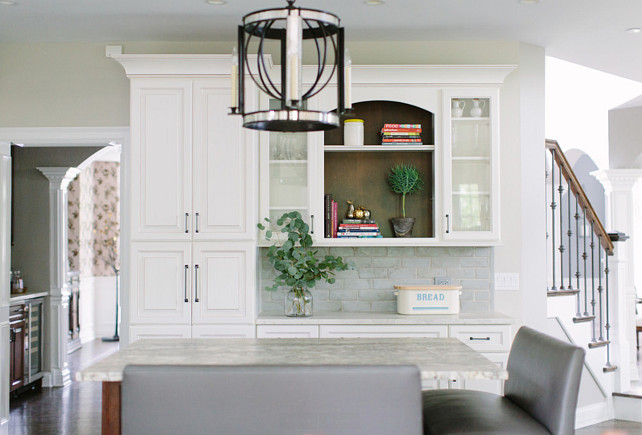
<point x="288" y="31"/>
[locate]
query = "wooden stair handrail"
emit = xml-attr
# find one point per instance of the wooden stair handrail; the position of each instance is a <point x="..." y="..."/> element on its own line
<point x="576" y="188"/>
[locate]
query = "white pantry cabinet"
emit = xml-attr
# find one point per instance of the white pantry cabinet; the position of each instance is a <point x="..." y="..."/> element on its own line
<point x="192" y="175"/>
<point x="191" y="163"/>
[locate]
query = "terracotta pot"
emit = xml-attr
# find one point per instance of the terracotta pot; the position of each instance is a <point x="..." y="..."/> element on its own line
<point x="403" y="226"/>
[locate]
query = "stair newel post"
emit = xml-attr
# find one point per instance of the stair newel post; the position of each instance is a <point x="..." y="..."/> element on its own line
<point x="561" y="248"/>
<point x="584" y="259"/>
<point x="577" y="256"/>
<point x="599" y="286"/>
<point x="553" y="207"/>
<point x="548" y="235"/>
<point x="593" y="281"/>
<point x="608" y="325"/>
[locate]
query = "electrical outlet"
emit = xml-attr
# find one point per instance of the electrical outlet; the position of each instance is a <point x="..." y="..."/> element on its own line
<point x="507" y="281"/>
<point x="443" y="280"/>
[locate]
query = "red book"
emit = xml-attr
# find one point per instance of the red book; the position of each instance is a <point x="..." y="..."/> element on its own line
<point x="398" y="130"/>
<point x="398" y="140"/>
<point x="402" y="126"/>
<point x="335" y="221"/>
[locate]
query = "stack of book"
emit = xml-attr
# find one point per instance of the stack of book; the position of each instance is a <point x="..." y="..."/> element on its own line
<point x="330" y="218"/>
<point x="358" y="228"/>
<point x="401" y="134"/>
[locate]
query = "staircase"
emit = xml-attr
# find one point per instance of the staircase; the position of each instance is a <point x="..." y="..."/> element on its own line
<point x="579" y="288"/>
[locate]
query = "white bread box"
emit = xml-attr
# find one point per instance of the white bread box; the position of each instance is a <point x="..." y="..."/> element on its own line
<point x="427" y="299"/>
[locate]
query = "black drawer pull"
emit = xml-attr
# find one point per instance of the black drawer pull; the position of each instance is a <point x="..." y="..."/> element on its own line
<point x="479" y="338"/>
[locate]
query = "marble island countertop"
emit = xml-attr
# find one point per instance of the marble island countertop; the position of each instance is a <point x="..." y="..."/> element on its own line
<point x="437" y="358"/>
<point x="345" y="318"/>
<point x="18" y="297"/>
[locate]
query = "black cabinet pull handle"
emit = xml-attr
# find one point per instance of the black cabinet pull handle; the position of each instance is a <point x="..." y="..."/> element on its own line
<point x="186" y="223"/>
<point x="197" y="225"/>
<point x="479" y="338"/>
<point x="312" y="224"/>
<point x="196" y="283"/>
<point x="447" y="224"/>
<point x="186" y="273"/>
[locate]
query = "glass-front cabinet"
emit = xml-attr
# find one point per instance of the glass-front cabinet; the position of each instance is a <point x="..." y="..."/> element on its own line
<point x="471" y="165"/>
<point x="286" y="173"/>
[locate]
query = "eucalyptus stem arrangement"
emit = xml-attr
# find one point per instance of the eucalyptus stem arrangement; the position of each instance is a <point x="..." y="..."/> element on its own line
<point x="296" y="262"/>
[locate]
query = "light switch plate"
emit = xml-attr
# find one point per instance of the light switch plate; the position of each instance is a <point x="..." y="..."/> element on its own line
<point x="507" y="281"/>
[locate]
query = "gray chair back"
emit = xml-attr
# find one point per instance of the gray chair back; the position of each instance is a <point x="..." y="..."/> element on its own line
<point x="543" y="379"/>
<point x="271" y="400"/>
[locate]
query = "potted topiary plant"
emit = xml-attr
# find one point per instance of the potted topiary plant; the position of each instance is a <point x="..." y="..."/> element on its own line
<point x="296" y="263"/>
<point x="405" y="180"/>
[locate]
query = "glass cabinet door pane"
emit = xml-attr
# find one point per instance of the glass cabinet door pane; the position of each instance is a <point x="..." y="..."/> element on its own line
<point x="471" y="146"/>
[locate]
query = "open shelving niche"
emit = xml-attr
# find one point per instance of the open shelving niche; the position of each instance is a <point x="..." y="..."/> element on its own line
<point x="359" y="173"/>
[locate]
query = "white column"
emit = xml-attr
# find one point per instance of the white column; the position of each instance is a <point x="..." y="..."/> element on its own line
<point x="57" y="373"/>
<point x="619" y="186"/>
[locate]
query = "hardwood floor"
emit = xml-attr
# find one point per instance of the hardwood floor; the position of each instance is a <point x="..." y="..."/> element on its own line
<point x="75" y="409"/>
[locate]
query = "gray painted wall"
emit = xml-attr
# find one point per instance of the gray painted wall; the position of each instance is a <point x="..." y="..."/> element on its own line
<point x="30" y="193"/>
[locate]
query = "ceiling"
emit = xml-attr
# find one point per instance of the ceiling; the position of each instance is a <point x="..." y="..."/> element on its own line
<point x="588" y="32"/>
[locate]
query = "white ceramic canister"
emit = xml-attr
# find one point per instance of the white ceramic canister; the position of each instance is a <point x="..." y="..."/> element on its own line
<point x="353" y="132"/>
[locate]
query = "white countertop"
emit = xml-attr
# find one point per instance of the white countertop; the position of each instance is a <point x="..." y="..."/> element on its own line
<point x="344" y="318"/>
<point x="24" y="296"/>
<point x="437" y="358"/>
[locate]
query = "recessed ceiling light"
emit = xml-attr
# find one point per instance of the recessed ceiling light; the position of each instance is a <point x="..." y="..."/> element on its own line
<point x="374" y="2"/>
<point x="8" y="3"/>
<point x="529" y="2"/>
<point x="634" y="30"/>
<point x="215" y="2"/>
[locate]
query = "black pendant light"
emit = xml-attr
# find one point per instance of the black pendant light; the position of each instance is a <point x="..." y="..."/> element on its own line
<point x="290" y="27"/>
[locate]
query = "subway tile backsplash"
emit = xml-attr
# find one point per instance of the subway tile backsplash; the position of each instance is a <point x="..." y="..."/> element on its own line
<point x="369" y="287"/>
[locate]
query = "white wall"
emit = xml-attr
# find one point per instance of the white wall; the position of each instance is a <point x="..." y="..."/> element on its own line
<point x="97" y="307"/>
<point x="5" y="291"/>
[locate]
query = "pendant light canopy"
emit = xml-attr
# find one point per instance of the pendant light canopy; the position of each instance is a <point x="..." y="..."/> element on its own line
<point x="288" y="30"/>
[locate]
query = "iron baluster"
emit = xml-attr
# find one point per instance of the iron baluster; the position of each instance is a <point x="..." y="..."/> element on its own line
<point x="553" y="207"/>
<point x="599" y="287"/>
<point x="584" y="258"/>
<point x="561" y="248"/>
<point x="593" y="282"/>
<point x="608" y="325"/>
<point x="577" y="255"/>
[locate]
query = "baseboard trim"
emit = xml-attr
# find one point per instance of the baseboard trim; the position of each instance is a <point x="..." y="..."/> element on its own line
<point x="593" y="414"/>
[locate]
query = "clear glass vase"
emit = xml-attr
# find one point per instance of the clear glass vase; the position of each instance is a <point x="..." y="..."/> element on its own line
<point x="298" y="303"/>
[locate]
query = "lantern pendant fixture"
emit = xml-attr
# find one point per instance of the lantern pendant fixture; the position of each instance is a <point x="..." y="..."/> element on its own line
<point x="290" y="27"/>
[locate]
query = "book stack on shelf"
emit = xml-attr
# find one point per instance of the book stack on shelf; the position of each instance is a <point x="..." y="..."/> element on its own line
<point x="401" y="134"/>
<point x="330" y="216"/>
<point x="358" y="228"/>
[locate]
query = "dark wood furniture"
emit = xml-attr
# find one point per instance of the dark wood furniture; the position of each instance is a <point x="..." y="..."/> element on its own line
<point x="17" y="325"/>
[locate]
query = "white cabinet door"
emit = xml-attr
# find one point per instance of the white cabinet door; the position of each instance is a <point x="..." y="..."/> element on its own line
<point x="471" y="164"/>
<point x="161" y="283"/>
<point x="289" y="168"/>
<point x="223" y="282"/>
<point x="223" y="200"/>
<point x="382" y="331"/>
<point x="287" y="331"/>
<point x="161" y="158"/>
<point x="138" y="332"/>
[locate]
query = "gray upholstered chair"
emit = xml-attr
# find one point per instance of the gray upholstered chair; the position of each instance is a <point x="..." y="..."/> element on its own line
<point x="540" y="395"/>
<point x="271" y="400"/>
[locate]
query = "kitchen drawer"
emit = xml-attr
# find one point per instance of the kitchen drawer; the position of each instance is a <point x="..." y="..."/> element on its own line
<point x="383" y="331"/>
<point x="484" y="338"/>
<point x="287" y="331"/>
